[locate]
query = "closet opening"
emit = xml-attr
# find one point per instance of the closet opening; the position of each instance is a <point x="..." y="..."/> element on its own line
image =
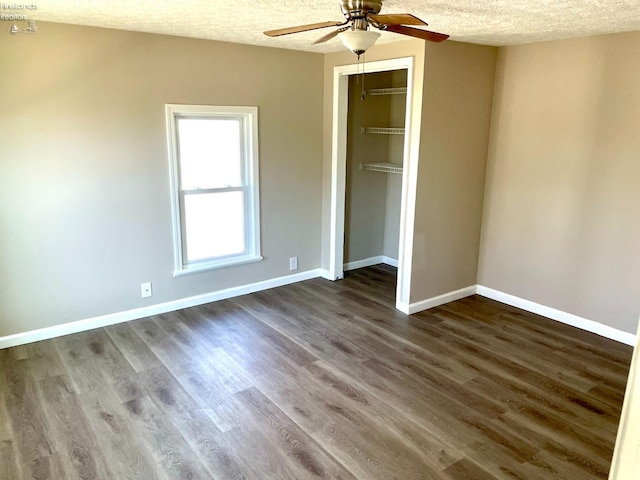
<point x="375" y="143"/>
<point x="374" y="166"/>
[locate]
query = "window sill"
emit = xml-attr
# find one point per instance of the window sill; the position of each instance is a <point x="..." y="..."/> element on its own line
<point x="205" y="267"/>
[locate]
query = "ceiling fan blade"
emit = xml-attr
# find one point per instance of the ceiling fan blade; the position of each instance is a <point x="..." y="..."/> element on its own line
<point x="397" y="19"/>
<point x="416" y="32"/>
<point x="329" y="36"/>
<point x="301" y="28"/>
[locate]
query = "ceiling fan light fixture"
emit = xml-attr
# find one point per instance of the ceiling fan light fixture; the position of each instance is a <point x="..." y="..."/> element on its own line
<point x="358" y="41"/>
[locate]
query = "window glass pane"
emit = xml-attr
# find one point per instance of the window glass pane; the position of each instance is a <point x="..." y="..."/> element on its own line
<point x="214" y="224"/>
<point x="209" y="151"/>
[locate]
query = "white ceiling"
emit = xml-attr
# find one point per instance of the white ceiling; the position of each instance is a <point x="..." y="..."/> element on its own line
<point x="489" y="22"/>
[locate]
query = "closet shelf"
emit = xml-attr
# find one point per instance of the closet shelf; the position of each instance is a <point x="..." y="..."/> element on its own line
<point x="382" y="167"/>
<point x="386" y="91"/>
<point x="383" y="130"/>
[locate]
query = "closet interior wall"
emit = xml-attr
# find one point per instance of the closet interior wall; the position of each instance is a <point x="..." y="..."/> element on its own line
<point x="372" y="213"/>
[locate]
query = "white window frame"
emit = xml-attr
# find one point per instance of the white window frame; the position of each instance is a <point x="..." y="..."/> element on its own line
<point x="249" y="148"/>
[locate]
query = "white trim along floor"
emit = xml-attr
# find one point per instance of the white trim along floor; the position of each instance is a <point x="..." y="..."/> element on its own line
<point x="125" y="316"/>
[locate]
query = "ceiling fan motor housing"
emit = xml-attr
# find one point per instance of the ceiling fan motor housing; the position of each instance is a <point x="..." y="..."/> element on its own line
<point x="359" y="16"/>
<point x="353" y="9"/>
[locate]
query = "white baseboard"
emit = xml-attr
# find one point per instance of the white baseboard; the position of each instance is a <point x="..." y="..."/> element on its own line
<point x="136" y="313"/>
<point x="369" y="262"/>
<point x="390" y="261"/>
<point x="436" y="301"/>
<point x="558" y="315"/>
<point x="552" y="313"/>
<point x="366" y="262"/>
<point x="324" y="273"/>
<point x="402" y="306"/>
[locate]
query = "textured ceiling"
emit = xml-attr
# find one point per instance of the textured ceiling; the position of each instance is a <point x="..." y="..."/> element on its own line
<point x="489" y="22"/>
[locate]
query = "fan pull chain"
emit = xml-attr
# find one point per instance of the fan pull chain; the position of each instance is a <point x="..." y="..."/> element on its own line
<point x="363" y="90"/>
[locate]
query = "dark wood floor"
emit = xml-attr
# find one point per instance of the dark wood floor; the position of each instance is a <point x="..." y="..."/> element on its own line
<point x="316" y="380"/>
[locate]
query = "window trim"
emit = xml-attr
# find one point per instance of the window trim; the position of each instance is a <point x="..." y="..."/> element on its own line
<point x="249" y="121"/>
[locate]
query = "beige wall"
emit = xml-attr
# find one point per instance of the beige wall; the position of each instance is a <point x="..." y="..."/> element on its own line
<point x="561" y="220"/>
<point x="84" y="184"/>
<point x="391" y="241"/>
<point x="457" y="99"/>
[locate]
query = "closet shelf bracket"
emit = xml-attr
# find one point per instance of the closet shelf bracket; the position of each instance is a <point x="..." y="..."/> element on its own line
<point x="386" y="91"/>
<point x="383" y="130"/>
<point x="382" y="167"/>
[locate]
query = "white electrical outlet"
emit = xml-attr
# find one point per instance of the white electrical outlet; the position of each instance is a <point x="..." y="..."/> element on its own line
<point x="293" y="263"/>
<point x="145" y="290"/>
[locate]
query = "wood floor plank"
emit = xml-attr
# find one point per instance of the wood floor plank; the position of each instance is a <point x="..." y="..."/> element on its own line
<point x="609" y="395"/>
<point x="32" y="437"/>
<point x="530" y="339"/>
<point x="434" y="357"/>
<point x="313" y="380"/>
<point x="6" y="433"/>
<point x="426" y="378"/>
<point x="91" y="359"/>
<point x="493" y="362"/>
<point x="121" y="448"/>
<point x="452" y="421"/>
<point x="194" y="422"/>
<point x="9" y="467"/>
<point x="466" y="470"/>
<point x="174" y="325"/>
<point x="203" y="350"/>
<point x="245" y="330"/>
<point x="599" y="362"/>
<point x="322" y="342"/>
<point x="139" y="356"/>
<point x="578" y="339"/>
<point x="494" y="463"/>
<point x="278" y="309"/>
<point x="516" y="351"/>
<point x="562" y="445"/>
<point x="208" y="381"/>
<point x="18" y="353"/>
<point x="517" y="395"/>
<point x="73" y="440"/>
<point x="44" y="360"/>
<point x="360" y="431"/>
<point x="161" y="344"/>
<point x="297" y="452"/>
<point x="172" y="454"/>
<point x="270" y="373"/>
<point x="558" y="467"/>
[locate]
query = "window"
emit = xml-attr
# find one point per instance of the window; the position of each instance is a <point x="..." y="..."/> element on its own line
<point x="213" y="153"/>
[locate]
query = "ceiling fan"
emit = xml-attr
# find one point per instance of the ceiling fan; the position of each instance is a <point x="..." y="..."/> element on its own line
<point x="355" y="31"/>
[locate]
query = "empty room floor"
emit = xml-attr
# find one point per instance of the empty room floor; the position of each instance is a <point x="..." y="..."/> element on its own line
<point x="316" y="380"/>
